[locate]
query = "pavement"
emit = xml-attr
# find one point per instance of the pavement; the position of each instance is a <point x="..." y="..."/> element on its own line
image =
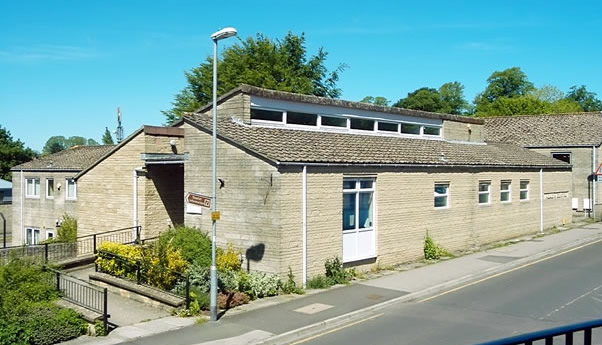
<point x="285" y="319"/>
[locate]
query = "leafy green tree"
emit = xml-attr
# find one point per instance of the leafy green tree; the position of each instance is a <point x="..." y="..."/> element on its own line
<point x="59" y="143"/>
<point x="527" y="105"/>
<point x="427" y="99"/>
<point x="452" y="95"/>
<point x="548" y="93"/>
<point x="511" y="82"/>
<point x="378" y="100"/>
<point x="107" y="139"/>
<point x="586" y="99"/>
<point x="12" y="152"/>
<point x="279" y="65"/>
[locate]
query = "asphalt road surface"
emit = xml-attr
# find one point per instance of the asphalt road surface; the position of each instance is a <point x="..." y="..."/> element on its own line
<point x="562" y="290"/>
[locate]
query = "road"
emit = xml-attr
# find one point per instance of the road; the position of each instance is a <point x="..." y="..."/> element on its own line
<point x="562" y="290"/>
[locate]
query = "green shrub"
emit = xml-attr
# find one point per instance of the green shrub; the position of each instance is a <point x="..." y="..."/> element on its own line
<point x="319" y="282"/>
<point x="244" y="284"/>
<point x="228" y="259"/>
<point x="67" y="232"/>
<point x="194" y="246"/>
<point x="51" y="324"/>
<point x="263" y="284"/>
<point x="433" y="251"/>
<point x="335" y="271"/>
<point x="125" y="265"/>
<point x="99" y="328"/>
<point x="227" y="281"/>
<point x="290" y="286"/>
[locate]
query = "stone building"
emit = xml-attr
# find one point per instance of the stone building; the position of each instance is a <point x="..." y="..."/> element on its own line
<point x="571" y="138"/>
<point x="304" y="179"/>
<point x="44" y="190"/>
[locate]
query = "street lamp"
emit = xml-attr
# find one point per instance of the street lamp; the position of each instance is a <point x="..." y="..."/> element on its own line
<point x="219" y="35"/>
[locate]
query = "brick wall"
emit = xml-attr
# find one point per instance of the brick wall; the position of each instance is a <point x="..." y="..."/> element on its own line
<point x="462" y="131"/>
<point x="238" y="106"/>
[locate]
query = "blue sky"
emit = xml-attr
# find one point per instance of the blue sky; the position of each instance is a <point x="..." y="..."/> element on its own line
<point x="65" y="66"/>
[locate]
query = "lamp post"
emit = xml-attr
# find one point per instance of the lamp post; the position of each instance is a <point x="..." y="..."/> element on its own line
<point x="219" y="35"/>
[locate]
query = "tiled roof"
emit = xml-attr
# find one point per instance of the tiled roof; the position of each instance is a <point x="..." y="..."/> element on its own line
<point x="281" y="145"/>
<point x="297" y="97"/>
<point x="576" y="129"/>
<point x="74" y="159"/>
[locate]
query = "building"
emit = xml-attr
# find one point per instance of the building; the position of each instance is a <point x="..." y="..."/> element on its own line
<point x="304" y="178"/>
<point x="571" y="138"/>
<point x="6" y="189"/>
<point x="44" y="190"/>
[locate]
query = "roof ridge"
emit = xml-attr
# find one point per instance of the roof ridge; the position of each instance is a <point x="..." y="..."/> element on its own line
<point x="581" y="113"/>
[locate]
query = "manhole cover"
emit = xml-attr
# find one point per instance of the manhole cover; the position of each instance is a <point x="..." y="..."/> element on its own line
<point x="313" y="308"/>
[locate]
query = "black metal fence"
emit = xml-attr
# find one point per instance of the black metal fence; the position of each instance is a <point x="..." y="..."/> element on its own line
<point x="84" y="245"/>
<point x="144" y="273"/>
<point x="81" y="293"/>
<point x="580" y="333"/>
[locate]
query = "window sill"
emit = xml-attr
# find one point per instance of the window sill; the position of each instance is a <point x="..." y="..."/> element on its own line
<point x="32" y="197"/>
<point x="359" y="258"/>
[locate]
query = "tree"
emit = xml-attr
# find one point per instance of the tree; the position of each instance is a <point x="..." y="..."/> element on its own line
<point x="59" y="143"/>
<point x="278" y="65"/>
<point x="511" y="82"/>
<point x="586" y="99"/>
<point x="378" y="100"/>
<point x="452" y="94"/>
<point x="12" y="152"/>
<point x="425" y="98"/>
<point x="107" y="139"/>
<point x="527" y="105"/>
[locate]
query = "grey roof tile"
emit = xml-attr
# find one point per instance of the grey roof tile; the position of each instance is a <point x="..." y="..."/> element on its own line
<point x="576" y="129"/>
<point x="287" y="145"/>
<point x="75" y="158"/>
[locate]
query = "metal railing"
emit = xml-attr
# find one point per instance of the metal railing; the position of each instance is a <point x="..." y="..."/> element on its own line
<point x="84" y="245"/>
<point x="143" y="273"/>
<point x="81" y="293"/>
<point x="553" y="335"/>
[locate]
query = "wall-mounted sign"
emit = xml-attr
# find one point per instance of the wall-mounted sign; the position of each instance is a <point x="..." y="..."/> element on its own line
<point x="556" y="195"/>
<point x="196" y="202"/>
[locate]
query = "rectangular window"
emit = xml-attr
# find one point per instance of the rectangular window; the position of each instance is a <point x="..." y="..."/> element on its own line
<point x="32" y="189"/>
<point x="387" y="127"/>
<point x="32" y="236"/>
<point x="358" y="205"/>
<point x="431" y="130"/>
<point x="294" y="118"/>
<point x="484" y="188"/>
<point x="266" y="115"/>
<point x="563" y="156"/>
<point x="332" y="121"/>
<point x="524" y="190"/>
<point x="362" y="124"/>
<point x="49" y="188"/>
<point x="49" y="234"/>
<point x="441" y="195"/>
<point x="71" y="190"/>
<point x="505" y="191"/>
<point x="408" y="128"/>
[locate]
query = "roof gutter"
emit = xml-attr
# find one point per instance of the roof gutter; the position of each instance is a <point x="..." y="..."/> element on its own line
<point x="49" y="169"/>
<point x="411" y="165"/>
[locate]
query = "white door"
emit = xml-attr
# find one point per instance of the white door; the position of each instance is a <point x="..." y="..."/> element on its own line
<point x="358" y="219"/>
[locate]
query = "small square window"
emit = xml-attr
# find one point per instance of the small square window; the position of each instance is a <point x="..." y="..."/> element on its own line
<point x="431" y="130"/>
<point x="484" y="188"/>
<point x="332" y="121"/>
<point x="408" y="128"/>
<point x="50" y="234"/>
<point x="524" y="190"/>
<point x="441" y="194"/>
<point x="563" y="156"/>
<point x="387" y="127"/>
<point x="505" y="191"/>
<point x="362" y="124"/>
<point x="293" y="118"/>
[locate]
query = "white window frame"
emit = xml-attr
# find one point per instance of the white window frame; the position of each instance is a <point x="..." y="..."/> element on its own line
<point x="50" y="232"/>
<point x="484" y="192"/>
<point x="67" y="196"/>
<point x="33" y="231"/>
<point x="48" y="196"/>
<point x="32" y="196"/>
<point x="436" y="195"/>
<point x="267" y="122"/>
<point x="357" y="229"/>
<point x="526" y="190"/>
<point x="564" y="153"/>
<point x="507" y="191"/>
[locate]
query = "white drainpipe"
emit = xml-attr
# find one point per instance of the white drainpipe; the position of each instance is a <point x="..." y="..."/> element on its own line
<point x="541" y="201"/>
<point x="594" y="167"/>
<point x="135" y="200"/>
<point x="22" y="204"/>
<point x="304" y="222"/>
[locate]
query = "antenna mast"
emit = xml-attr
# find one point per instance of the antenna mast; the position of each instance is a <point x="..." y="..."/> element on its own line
<point x="119" y="130"/>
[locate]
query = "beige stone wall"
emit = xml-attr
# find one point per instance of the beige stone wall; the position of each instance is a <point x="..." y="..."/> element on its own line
<point x="248" y="201"/>
<point x="581" y="159"/>
<point x="40" y="213"/>
<point x="404" y="212"/>
<point x="463" y="131"/>
<point x="238" y="106"/>
<point x="107" y="195"/>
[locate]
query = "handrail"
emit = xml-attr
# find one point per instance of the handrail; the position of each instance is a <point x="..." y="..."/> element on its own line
<point x="567" y="330"/>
